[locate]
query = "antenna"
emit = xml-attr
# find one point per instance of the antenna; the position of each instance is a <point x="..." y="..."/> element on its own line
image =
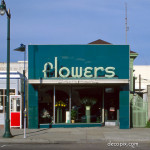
<point x="127" y="28"/>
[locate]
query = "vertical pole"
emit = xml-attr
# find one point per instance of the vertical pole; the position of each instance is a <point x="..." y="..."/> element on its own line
<point x="24" y="97"/>
<point x="134" y="84"/>
<point x="139" y="83"/>
<point x="70" y="103"/>
<point x="54" y="107"/>
<point x="103" y="115"/>
<point x="3" y="101"/>
<point x="7" y="133"/>
<point x="24" y="78"/>
<point x="126" y="21"/>
<point x="4" y="104"/>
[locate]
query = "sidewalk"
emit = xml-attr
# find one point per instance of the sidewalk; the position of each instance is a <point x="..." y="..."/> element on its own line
<point x="78" y="135"/>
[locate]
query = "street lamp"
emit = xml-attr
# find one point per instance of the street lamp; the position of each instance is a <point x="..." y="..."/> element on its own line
<point x="3" y="9"/>
<point x="22" y="48"/>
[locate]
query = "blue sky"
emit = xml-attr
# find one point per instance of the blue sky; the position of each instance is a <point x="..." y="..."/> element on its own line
<point x="76" y="22"/>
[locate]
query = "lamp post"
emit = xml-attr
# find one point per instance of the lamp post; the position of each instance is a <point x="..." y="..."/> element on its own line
<point x="3" y="10"/>
<point x="22" y="48"/>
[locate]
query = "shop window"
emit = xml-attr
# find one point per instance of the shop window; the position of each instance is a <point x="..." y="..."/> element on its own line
<point x="1" y="104"/>
<point x="3" y="93"/>
<point x="11" y="92"/>
<point x="45" y="104"/>
<point x="87" y="103"/>
<point x="1" y="101"/>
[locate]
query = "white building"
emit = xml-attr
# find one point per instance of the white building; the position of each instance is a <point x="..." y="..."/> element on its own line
<point x="16" y="83"/>
<point x="15" y="66"/>
<point x="16" y="80"/>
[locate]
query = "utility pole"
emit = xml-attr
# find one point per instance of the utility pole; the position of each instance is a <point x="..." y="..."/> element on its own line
<point x="139" y="82"/>
<point x="126" y="23"/>
<point x="4" y="10"/>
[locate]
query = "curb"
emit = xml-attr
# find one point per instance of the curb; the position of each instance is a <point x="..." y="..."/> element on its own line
<point x="41" y="141"/>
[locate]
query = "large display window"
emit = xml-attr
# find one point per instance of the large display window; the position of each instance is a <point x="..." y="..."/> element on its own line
<point x="45" y="104"/>
<point x="86" y="104"/>
<point x="77" y="104"/>
<point x="70" y="104"/>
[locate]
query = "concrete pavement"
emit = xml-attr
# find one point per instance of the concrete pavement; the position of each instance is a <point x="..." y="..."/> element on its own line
<point x="78" y="135"/>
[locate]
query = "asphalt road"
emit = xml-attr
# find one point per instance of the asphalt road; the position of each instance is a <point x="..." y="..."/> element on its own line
<point x="101" y="146"/>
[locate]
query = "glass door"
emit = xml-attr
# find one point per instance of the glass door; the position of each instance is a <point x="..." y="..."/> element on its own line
<point x="111" y="103"/>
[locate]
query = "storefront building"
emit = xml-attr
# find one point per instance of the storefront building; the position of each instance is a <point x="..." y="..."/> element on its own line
<point x="16" y="81"/>
<point x="78" y="85"/>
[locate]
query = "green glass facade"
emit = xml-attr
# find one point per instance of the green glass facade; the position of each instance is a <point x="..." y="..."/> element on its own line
<point x="63" y="77"/>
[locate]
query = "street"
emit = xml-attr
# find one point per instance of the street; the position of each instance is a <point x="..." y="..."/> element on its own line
<point x="102" y="146"/>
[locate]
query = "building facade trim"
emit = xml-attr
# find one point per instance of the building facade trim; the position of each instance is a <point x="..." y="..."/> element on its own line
<point x="94" y="81"/>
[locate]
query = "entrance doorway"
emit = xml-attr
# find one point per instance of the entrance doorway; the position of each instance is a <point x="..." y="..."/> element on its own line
<point x="111" y="104"/>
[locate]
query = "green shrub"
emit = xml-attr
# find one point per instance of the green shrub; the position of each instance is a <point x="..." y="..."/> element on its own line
<point x="148" y="124"/>
<point x="73" y="114"/>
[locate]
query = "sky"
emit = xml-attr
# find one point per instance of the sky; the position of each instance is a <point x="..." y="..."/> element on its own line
<point x="76" y="22"/>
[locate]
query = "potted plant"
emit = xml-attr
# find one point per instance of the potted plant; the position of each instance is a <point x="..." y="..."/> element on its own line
<point x="45" y="116"/>
<point x="88" y="102"/>
<point x="59" y="106"/>
<point x="73" y="115"/>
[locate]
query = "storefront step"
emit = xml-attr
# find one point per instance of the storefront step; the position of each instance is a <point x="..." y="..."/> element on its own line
<point x="75" y="125"/>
